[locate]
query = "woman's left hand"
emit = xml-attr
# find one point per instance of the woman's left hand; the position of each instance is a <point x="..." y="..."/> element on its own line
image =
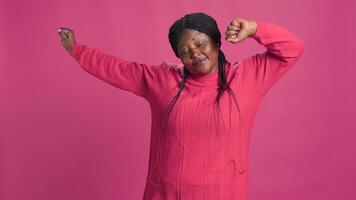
<point x="240" y="29"/>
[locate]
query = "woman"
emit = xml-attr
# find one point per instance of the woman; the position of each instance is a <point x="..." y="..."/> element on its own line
<point x="203" y="108"/>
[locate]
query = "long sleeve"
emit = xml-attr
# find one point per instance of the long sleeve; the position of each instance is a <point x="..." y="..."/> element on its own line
<point x="263" y="70"/>
<point x="127" y="75"/>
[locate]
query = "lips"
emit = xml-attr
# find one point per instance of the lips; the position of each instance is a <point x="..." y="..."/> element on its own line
<point x="198" y="61"/>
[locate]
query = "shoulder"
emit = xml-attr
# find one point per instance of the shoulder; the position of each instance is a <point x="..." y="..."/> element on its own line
<point x="239" y="71"/>
<point x="233" y="68"/>
<point x="174" y="68"/>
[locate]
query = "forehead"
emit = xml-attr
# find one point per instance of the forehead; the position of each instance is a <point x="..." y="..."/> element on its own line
<point x="189" y="35"/>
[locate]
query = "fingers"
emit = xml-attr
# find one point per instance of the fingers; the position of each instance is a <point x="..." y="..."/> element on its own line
<point x="67" y="38"/>
<point x="232" y="32"/>
<point x="235" y="22"/>
<point x="62" y="34"/>
<point x="234" y="36"/>
<point x="65" y="33"/>
<point x="67" y="30"/>
<point x="233" y="39"/>
<point x="237" y="30"/>
<point x="233" y="29"/>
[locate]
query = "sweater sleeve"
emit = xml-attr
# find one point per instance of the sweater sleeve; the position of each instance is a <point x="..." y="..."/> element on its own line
<point x="263" y="70"/>
<point x="127" y="75"/>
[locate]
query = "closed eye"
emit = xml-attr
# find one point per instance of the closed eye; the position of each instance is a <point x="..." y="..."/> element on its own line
<point x="184" y="52"/>
<point x="200" y="44"/>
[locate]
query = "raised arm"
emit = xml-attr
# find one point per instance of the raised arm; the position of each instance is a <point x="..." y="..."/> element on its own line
<point x="283" y="51"/>
<point x="127" y="75"/>
<point x="262" y="70"/>
<point x="137" y="78"/>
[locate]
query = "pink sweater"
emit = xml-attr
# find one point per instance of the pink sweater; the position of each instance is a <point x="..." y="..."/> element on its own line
<point x="199" y="153"/>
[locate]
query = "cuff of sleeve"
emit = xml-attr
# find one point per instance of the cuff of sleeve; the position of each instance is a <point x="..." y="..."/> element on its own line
<point x="261" y="35"/>
<point x="259" y="30"/>
<point x="77" y="49"/>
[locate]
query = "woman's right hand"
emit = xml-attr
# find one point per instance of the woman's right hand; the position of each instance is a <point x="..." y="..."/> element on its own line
<point x="67" y="38"/>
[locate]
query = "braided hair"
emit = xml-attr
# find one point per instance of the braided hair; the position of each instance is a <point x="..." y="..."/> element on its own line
<point x="203" y="23"/>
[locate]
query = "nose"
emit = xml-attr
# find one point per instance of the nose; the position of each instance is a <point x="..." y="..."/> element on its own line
<point x="195" y="53"/>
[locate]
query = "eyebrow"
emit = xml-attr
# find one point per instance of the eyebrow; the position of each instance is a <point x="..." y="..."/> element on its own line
<point x="194" y="38"/>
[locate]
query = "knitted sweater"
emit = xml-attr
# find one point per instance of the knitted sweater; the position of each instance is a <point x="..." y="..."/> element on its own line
<point x="201" y="150"/>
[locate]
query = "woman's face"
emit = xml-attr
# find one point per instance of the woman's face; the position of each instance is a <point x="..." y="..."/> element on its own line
<point x="198" y="52"/>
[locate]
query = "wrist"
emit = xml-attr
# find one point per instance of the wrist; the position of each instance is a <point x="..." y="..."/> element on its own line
<point x="252" y="27"/>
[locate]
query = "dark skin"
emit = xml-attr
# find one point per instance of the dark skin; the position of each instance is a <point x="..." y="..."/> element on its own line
<point x="196" y="50"/>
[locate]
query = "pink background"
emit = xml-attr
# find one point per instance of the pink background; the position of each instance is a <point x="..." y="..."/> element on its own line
<point x="67" y="135"/>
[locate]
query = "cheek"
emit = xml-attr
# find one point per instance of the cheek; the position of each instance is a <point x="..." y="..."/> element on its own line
<point x="212" y="52"/>
<point x="186" y="62"/>
<point x="214" y="56"/>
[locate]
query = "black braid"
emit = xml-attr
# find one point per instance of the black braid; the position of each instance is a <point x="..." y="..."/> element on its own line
<point x="223" y="84"/>
<point x="181" y="87"/>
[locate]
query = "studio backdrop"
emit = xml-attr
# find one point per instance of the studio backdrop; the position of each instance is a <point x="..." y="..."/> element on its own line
<point x="66" y="135"/>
